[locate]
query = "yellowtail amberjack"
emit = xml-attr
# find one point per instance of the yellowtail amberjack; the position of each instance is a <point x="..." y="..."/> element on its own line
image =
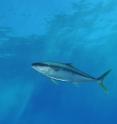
<point x="67" y="73"/>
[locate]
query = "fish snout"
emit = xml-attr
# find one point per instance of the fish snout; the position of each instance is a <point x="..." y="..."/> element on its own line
<point x="37" y="66"/>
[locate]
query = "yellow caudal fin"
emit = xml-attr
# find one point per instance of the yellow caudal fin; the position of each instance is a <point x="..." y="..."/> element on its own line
<point x="103" y="87"/>
<point x="101" y="79"/>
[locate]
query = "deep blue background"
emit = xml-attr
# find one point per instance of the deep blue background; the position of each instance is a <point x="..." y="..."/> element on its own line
<point x="81" y="32"/>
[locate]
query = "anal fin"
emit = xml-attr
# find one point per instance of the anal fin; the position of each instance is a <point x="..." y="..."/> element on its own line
<point x="54" y="81"/>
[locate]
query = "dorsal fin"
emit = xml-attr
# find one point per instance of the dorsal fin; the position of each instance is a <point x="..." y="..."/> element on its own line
<point x="70" y="65"/>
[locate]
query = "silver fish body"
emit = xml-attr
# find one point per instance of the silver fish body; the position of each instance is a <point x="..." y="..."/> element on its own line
<point x="62" y="72"/>
<point x="67" y="73"/>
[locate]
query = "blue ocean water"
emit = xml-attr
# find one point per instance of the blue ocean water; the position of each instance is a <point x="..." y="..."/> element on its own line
<point x="81" y="32"/>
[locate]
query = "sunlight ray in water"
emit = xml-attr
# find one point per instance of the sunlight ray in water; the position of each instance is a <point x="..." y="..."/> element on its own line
<point x="75" y="33"/>
<point x="28" y="93"/>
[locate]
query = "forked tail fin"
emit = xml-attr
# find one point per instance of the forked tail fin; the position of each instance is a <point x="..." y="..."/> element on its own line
<point x="101" y="79"/>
